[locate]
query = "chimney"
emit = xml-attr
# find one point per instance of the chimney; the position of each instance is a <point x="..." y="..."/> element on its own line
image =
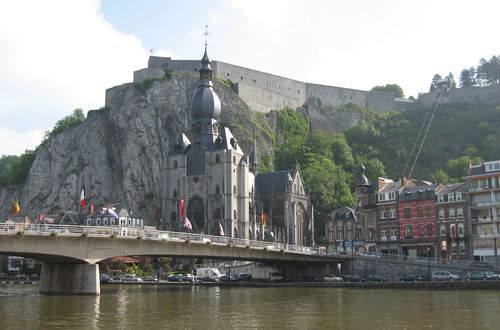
<point x="469" y="169"/>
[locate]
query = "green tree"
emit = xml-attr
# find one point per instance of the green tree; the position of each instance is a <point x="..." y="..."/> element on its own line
<point x="467" y="78"/>
<point x="457" y="168"/>
<point x="440" y="177"/>
<point x="434" y="81"/>
<point x="76" y="117"/>
<point x="395" y="89"/>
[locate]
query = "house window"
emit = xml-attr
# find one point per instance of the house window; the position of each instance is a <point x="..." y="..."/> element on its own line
<point x="428" y="211"/>
<point x="98" y="221"/>
<point x="460" y="213"/>
<point x="113" y="221"/>
<point x="129" y="222"/>
<point x="441" y="213"/>
<point x="104" y="221"/>
<point x="382" y="214"/>
<point x="393" y="232"/>
<point x="381" y="197"/>
<point x="383" y="233"/>
<point x="458" y="196"/>
<point x="440" y="198"/>
<point x="460" y="229"/>
<point x="217" y="159"/>
<point x="442" y="230"/>
<point x="421" y="230"/>
<point x="429" y="229"/>
<point x="451" y="197"/>
<point x="451" y="213"/>
<point x="420" y="212"/>
<point x="89" y="221"/>
<point x="407" y="212"/>
<point x="340" y="235"/>
<point x="408" y="231"/>
<point x="392" y="213"/>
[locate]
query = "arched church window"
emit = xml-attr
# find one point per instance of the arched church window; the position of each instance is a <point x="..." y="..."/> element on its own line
<point x="217" y="158"/>
<point x="234" y="214"/>
<point x="234" y="159"/>
<point x="215" y="127"/>
<point x="217" y="190"/>
<point x="175" y="164"/>
<point x="174" y="195"/>
<point x="234" y="190"/>
<point x="294" y="188"/>
<point x="173" y="216"/>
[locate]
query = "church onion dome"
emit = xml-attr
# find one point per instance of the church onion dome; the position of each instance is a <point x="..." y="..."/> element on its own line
<point x="362" y="180"/>
<point x="205" y="103"/>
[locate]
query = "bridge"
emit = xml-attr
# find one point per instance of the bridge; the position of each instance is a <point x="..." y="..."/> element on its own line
<point x="70" y="253"/>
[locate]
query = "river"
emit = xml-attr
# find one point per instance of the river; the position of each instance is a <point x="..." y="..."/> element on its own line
<point x="197" y="307"/>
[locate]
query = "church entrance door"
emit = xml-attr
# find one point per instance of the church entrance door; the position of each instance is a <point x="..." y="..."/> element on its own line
<point x="196" y="213"/>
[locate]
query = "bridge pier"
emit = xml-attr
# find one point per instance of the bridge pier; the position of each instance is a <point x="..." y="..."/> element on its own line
<point x="70" y="279"/>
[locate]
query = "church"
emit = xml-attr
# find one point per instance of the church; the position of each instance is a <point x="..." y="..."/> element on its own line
<point x="209" y="180"/>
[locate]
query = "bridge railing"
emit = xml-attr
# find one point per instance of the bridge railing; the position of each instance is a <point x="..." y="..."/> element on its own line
<point x="148" y="234"/>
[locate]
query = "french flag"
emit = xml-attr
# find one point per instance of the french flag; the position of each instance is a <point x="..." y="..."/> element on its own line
<point x="112" y="213"/>
<point x="82" y="198"/>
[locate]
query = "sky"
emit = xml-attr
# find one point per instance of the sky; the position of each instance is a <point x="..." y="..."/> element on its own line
<point x="59" y="55"/>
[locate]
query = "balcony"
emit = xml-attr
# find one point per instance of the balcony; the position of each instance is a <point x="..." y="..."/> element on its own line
<point x="394" y="238"/>
<point x="383" y="238"/>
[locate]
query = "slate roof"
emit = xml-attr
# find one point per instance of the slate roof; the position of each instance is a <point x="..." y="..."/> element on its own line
<point x="450" y="188"/>
<point x="272" y="182"/>
<point x="418" y="193"/>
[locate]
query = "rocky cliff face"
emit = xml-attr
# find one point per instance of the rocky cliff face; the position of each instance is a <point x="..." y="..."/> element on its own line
<point x="119" y="152"/>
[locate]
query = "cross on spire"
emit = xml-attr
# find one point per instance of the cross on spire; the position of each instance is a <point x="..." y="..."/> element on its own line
<point x="206" y="35"/>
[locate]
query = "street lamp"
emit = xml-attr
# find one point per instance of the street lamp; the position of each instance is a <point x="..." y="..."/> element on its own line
<point x="428" y="263"/>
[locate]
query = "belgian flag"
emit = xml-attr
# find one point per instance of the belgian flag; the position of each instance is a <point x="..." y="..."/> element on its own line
<point x="17" y="208"/>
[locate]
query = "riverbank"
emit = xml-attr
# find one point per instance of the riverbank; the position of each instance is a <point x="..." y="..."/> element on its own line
<point x="444" y="285"/>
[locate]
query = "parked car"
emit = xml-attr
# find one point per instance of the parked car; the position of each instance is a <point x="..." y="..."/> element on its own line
<point x="131" y="278"/>
<point x="188" y="278"/>
<point x="493" y="276"/>
<point x="352" y="278"/>
<point x="174" y="278"/>
<point x="104" y="278"/>
<point x="150" y="279"/>
<point x="476" y="276"/>
<point x="244" y="277"/>
<point x="412" y="277"/>
<point x="332" y="278"/>
<point x="227" y="278"/>
<point x="445" y="276"/>
<point x="376" y="278"/>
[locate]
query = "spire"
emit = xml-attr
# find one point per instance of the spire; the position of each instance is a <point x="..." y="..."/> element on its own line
<point x="206" y="69"/>
<point x="254" y="160"/>
<point x="361" y="180"/>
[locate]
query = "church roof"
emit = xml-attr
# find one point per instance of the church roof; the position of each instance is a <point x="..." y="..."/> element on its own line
<point x="272" y="182"/>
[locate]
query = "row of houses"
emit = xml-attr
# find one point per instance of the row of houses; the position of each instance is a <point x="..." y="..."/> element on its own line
<point x="422" y="219"/>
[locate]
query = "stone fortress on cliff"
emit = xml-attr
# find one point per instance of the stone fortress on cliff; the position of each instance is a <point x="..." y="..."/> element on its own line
<point x="264" y="91"/>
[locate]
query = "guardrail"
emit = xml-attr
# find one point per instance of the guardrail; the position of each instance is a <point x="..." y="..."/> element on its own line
<point x="431" y="261"/>
<point x="148" y="234"/>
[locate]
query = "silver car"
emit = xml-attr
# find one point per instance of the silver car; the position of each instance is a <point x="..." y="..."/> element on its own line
<point x="445" y="276"/>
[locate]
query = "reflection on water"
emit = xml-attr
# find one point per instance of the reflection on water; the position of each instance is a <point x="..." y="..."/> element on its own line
<point x="188" y="307"/>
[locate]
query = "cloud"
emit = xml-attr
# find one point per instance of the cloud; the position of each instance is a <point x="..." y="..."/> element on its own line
<point x="356" y="44"/>
<point x="16" y="143"/>
<point x="57" y="56"/>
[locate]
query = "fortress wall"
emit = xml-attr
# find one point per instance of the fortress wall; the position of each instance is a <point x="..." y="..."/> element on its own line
<point x="336" y="96"/>
<point x="264" y="91"/>
<point x="264" y="100"/>
<point x="148" y="73"/>
<point x="477" y="95"/>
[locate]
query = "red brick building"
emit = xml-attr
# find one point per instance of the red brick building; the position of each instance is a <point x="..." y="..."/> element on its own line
<point x="418" y="230"/>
